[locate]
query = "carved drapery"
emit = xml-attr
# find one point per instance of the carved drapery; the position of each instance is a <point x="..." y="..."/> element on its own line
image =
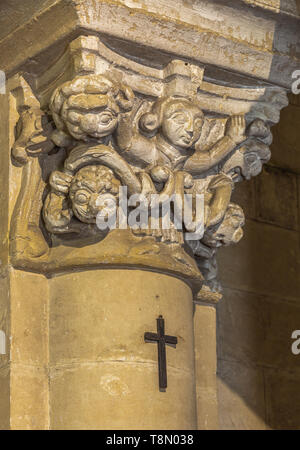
<point x="97" y="121"/>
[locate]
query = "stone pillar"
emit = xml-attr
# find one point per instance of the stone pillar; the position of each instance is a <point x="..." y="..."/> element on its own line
<point x="206" y="366"/>
<point x="102" y="373"/>
<point x="124" y="105"/>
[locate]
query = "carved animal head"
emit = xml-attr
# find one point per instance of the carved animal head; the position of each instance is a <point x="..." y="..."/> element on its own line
<point x="229" y="231"/>
<point x="88" y="184"/>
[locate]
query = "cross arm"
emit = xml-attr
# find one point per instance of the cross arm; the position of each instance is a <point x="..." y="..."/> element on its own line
<point x="151" y="337"/>
<point x="171" y="340"/>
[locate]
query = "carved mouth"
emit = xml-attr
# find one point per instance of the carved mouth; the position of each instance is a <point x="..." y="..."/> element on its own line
<point x="84" y="215"/>
<point x="102" y="134"/>
<point x="186" y="139"/>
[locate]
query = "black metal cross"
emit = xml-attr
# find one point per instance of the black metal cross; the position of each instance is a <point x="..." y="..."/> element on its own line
<point x="161" y="340"/>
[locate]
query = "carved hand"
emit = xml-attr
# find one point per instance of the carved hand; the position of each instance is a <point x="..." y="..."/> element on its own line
<point x="60" y="182"/>
<point x="236" y="128"/>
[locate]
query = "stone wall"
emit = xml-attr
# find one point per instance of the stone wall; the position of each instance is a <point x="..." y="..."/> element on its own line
<point x="258" y="376"/>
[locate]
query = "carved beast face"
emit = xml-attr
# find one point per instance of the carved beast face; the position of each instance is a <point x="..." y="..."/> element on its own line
<point x="229" y="231"/>
<point x="88" y="184"/>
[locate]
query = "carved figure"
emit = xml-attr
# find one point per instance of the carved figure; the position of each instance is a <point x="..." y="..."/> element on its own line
<point x="87" y="108"/>
<point x="174" y="126"/>
<point x="78" y="196"/>
<point x="229" y="231"/>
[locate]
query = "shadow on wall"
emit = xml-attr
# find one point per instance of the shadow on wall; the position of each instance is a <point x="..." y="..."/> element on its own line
<point x="258" y="375"/>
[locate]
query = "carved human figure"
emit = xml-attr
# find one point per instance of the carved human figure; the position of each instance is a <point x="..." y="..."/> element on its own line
<point x="216" y="190"/>
<point x="203" y="160"/>
<point x="168" y="134"/>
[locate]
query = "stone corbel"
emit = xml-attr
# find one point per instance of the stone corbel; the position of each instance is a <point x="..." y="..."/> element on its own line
<point x="98" y="120"/>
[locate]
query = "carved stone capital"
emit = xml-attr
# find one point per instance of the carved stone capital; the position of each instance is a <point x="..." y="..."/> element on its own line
<point x="106" y="145"/>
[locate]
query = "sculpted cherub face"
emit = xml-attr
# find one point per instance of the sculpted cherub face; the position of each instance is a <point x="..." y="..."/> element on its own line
<point x="89" y="107"/>
<point x="182" y="123"/>
<point x="87" y="185"/>
<point x="95" y="120"/>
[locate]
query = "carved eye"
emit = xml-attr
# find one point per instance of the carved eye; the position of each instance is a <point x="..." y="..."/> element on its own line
<point x="82" y="198"/>
<point x="178" y="118"/>
<point x="235" y="222"/>
<point x="251" y="158"/>
<point x="198" y="123"/>
<point x="106" y="118"/>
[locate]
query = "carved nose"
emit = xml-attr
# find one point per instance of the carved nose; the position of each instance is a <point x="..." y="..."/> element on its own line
<point x="94" y="208"/>
<point x="189" y="128"/>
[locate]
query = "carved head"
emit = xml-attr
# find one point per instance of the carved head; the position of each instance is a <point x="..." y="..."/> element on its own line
<point x="178" y="120"/>
<point x="89" y="106"/>
<point x="247" y="161"/>
<point x="88" y="183"/>
<point x="229" y="231"/>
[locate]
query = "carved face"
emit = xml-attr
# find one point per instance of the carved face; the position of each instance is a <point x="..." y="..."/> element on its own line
<point x="87" y="185"/>
<point x="182" y="123"/>
<point x="252" y="165"/>
<point x="97" y="123"/>
<point x="89" y="105"/>
<point x="100" y="124"/>
<point x="248" y="160"/>
<point x="230" y="230"/>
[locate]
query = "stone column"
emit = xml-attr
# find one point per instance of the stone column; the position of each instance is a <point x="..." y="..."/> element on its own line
<point x="206" y="366"/>
<point x="124" y="105"/>
<point x="103" y="375"/>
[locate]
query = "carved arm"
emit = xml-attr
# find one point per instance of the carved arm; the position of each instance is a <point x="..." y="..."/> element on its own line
<point x="202" y="161"/>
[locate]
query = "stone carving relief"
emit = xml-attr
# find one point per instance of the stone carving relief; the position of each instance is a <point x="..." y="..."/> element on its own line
<point x="152" y="131"/>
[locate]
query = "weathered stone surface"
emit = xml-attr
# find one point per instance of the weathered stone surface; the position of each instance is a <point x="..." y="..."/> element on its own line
<point x="107" y="396"/>
<point x="255" y="329"/>
<point x="287" y="6"/>
<point x="5" y="319"/>
<point x="29" y="315"/>
<point x="152" y="135"/>
<point x="281" y="318"/>
<point x="4" y="169"/>
<point x="276" y="198"/>
<point x="107" y="91"/>
<point x="282" y="399"/>
<point x="5" y="398"/>
<point x="97" y="351"/>
<point x="256" y="43"/>
<point x="266" y="262"/>
<point x="13" y="13"/>
<point x="241" y="327"/>
<point x="244" y="195"/>
<point x="298" y="186"/>
<point x="206" y="367"/>
<point x="29" y="401"/>
<point x="285" y="147"/>
<point x="240" y="397"/>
